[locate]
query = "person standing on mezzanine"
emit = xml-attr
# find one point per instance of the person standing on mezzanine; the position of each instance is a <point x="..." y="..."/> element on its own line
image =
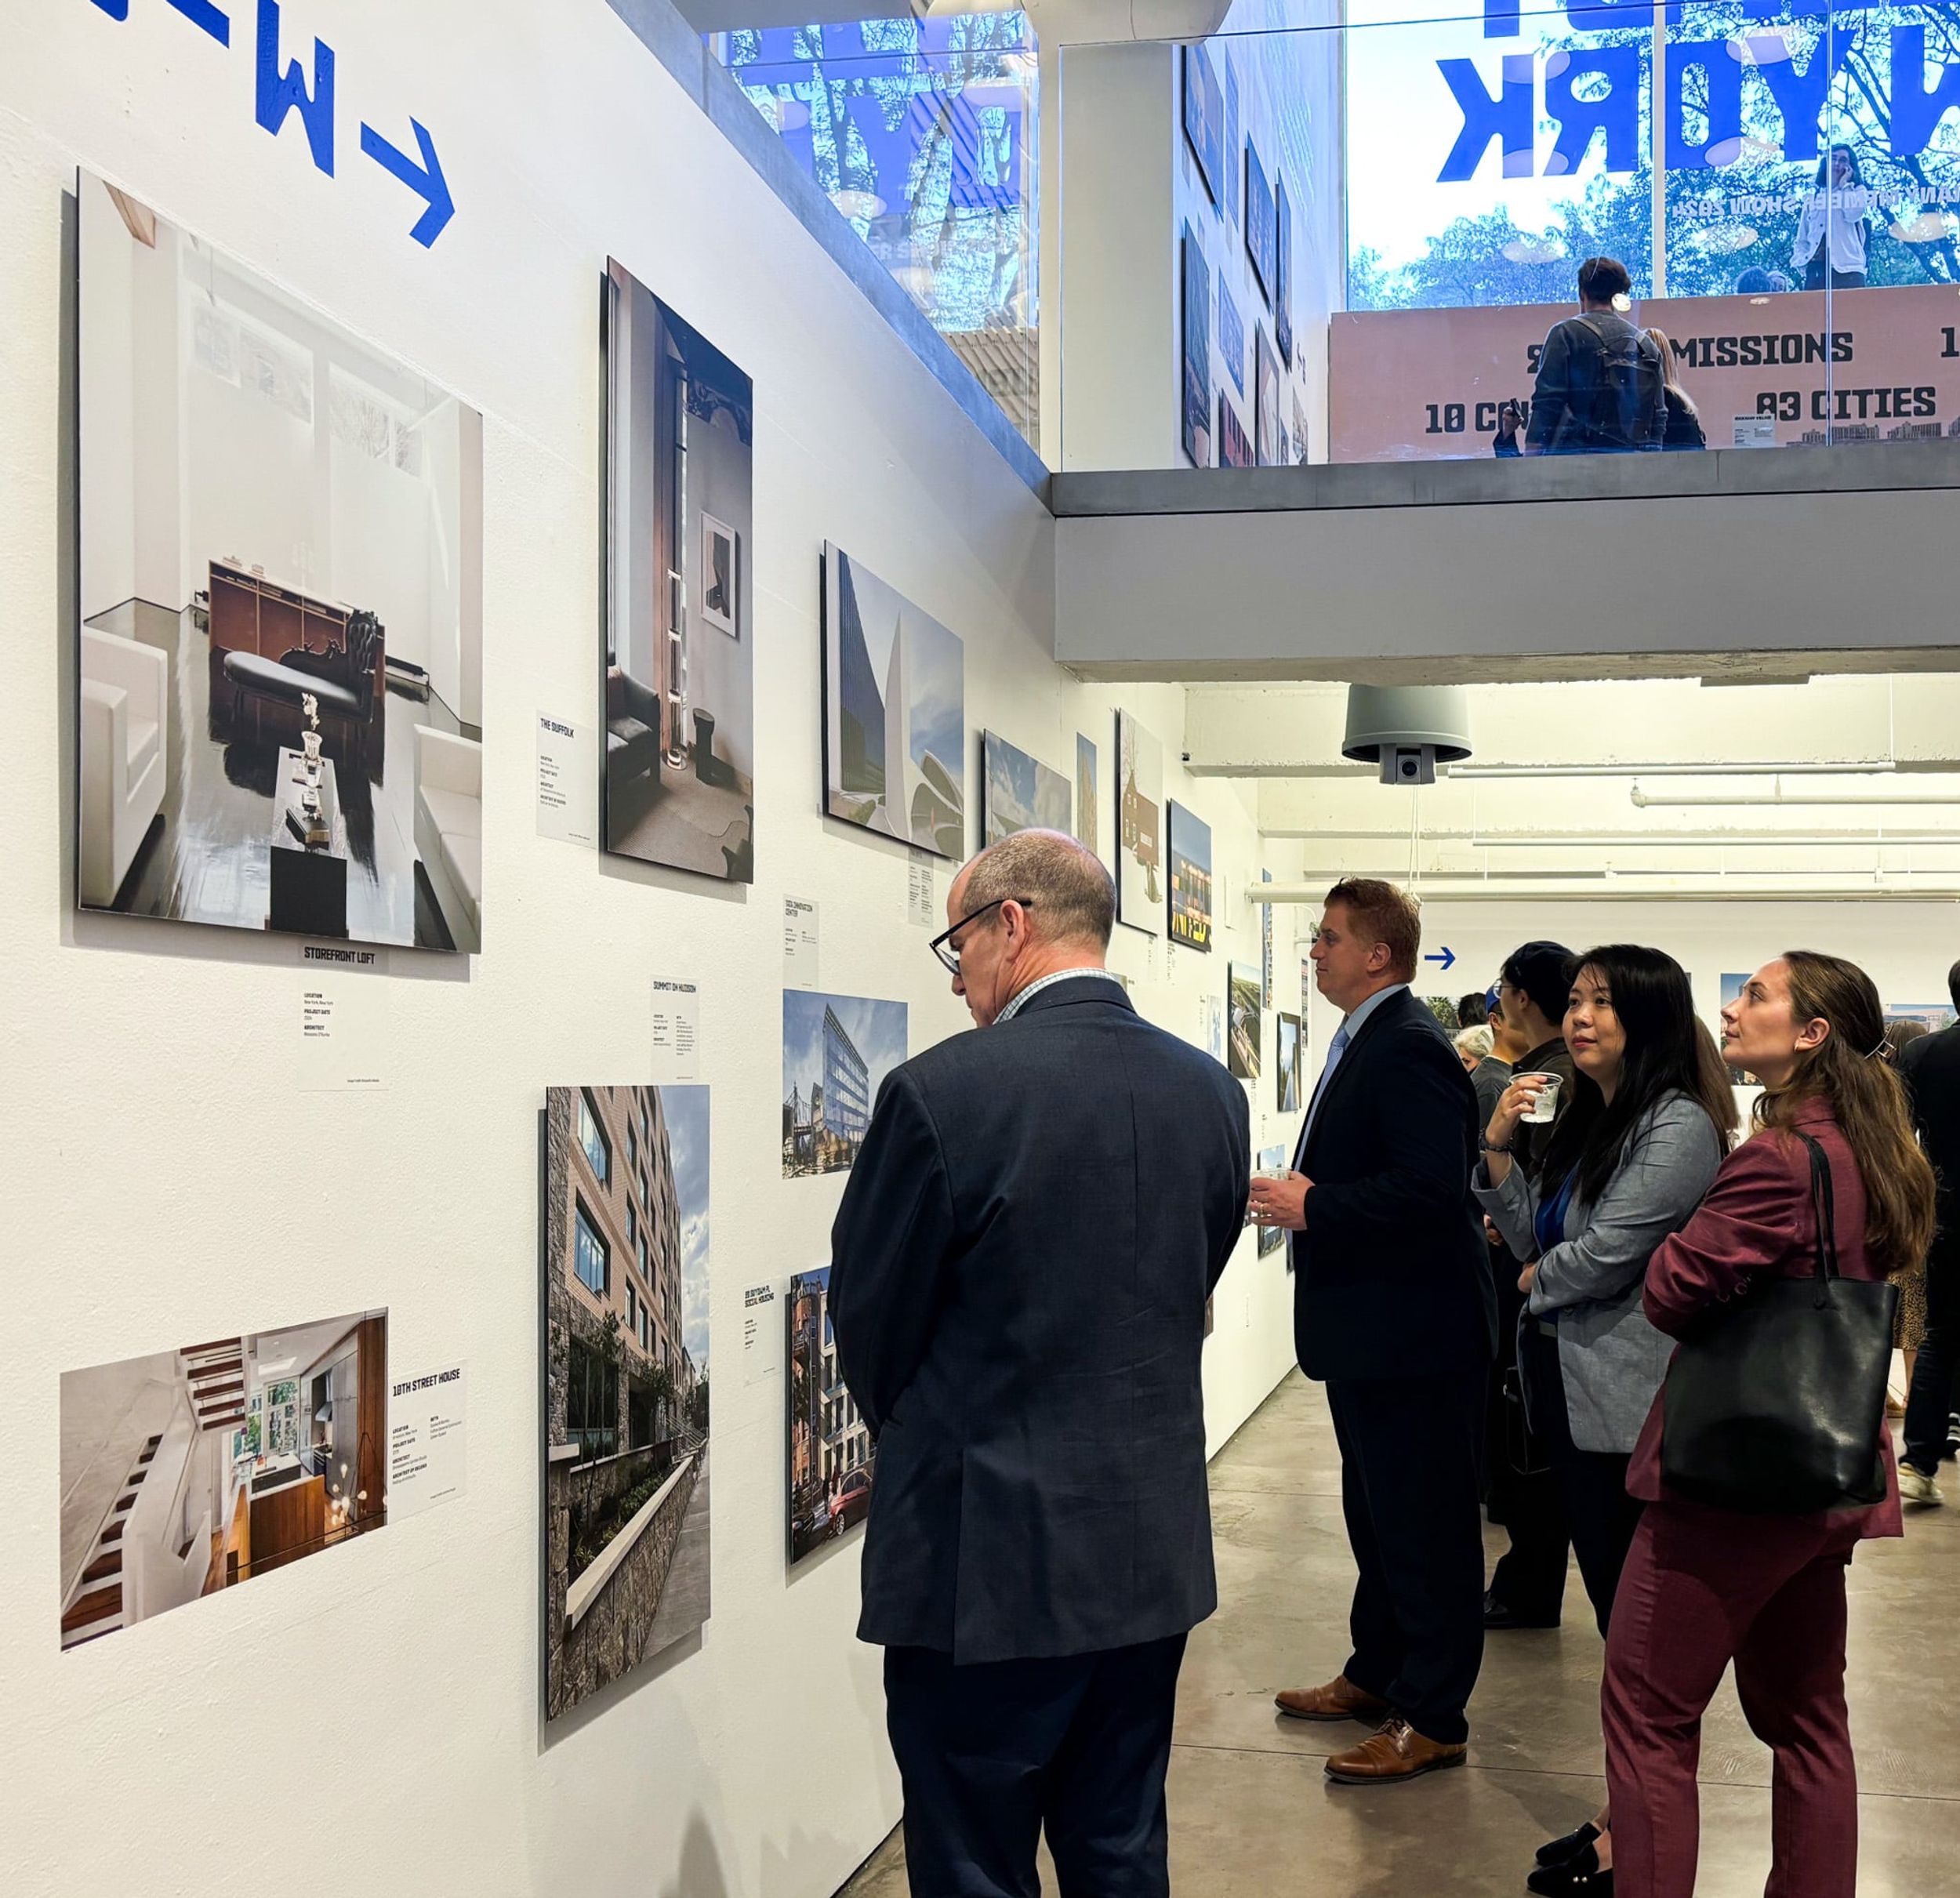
<point x="1395" y="1312"/>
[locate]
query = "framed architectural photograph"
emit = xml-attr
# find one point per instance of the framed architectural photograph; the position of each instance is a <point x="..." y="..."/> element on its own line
<point x="680" y="705"/>
<point x="1244" y="1023"/>
<point x="280" y="653"/>
<point x="1140" y="889"/>
<point x="1266" y="413"/>
<point x="1196" y="352"/>
<point x="1023" y="793"/>
<point x="1286" y="1061"/>
<point x="194" y="1470"/>
<point x="836" y="1051"/>
<point x="1271" y="1238"/>
<point x="1190" y="879"/>
<point x="1231" y="335"/>
<point x="1233" y="179"/>
<point x="625" y="1266"/>
<point x="1299" y="431"/>
<point x="1262" y="235"/>
<point x="832" y="1457"/>
<point x="1281" y="270"/>
<point x="1204" y="119"/>
<point x="720" y="576"/>
<point x="894" y="716"/>
<point x="1088" y="823"/>
<point x="1234" y="447"/>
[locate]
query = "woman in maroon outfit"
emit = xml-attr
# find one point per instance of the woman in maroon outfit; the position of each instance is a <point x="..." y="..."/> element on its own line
<point x="1706" y="1586"/>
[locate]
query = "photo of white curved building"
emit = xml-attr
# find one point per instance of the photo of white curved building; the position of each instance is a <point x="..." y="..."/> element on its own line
<point x="894" y="748"/>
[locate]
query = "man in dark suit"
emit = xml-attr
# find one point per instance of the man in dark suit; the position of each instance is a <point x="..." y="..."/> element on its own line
<point x="1019" y="1270"/>
<point x="1394" y="1309"/>
<point x="1931" y="1067"/>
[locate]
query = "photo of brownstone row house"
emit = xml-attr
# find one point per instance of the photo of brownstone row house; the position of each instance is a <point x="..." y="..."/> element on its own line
<point x="626" y="1448"/>
<point x="831" y="1452"/>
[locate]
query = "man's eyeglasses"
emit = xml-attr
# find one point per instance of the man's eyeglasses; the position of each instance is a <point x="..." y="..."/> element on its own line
<point x="941" y="944"/>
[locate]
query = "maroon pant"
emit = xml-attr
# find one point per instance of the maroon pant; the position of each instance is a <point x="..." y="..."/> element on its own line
<point x="1703" y="1588"/>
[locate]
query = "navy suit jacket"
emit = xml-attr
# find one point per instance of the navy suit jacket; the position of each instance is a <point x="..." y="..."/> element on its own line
<point x="1019" y="1270"/>
<point x="1391" y="1276"/>
<point x="1931" y="1069"/>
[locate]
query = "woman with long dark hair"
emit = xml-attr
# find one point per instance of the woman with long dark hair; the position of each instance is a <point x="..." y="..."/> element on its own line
<point x="1706" y="1585"/>
<point x="1835" y="224"/>
<point x="1650" y="1119"/>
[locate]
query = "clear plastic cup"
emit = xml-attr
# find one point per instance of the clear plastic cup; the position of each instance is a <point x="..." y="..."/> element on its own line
<point x="1546" y="1108"/>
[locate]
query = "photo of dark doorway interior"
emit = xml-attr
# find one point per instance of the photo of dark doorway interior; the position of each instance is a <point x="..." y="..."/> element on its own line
<point x="680" y="704"/>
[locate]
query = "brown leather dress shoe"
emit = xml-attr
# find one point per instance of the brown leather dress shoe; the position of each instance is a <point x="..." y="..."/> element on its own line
<point x="1398" y="1752"/>
<point x="1340" y="1699"/>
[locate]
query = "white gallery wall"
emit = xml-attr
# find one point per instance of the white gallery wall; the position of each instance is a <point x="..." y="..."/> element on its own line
<point x="165" y="1179"/>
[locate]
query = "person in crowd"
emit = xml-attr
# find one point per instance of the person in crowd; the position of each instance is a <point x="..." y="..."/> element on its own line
<point x="1909" y="1324"/>
<point x="1684" y="428"/>
<point x="1931" y="1070"/>
<point x="1835" y="229"/>
<point x="1601" y="388"/>
<point x="1705" y="1585"/>
<point x="1528" y="1584"/>
<point x="1472" y="1010"/>
<point x="1757" y="281"/>
<point x="1489" y="1075"/>
<point x="1019" y="1280"/>
<point x="1393" y="1311"/>
<point x="1650" y="1119"/>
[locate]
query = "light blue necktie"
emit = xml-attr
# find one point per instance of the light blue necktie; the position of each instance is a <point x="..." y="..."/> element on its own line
<point x="1335" y="1048"/>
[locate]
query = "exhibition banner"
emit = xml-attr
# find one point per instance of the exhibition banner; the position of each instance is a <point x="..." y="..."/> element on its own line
<point x="1792" y="370"/>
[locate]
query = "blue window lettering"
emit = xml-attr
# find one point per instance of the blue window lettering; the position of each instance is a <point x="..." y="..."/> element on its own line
<point x="1616" y="114"/>
<point x="1915" y="111"/>
<point x="1500" y="19"/>
<point x="1722" y="145"/>
<point x="1507" y="117"/>
<point x="278" y="95"/>
<point x="1800" y="96"/>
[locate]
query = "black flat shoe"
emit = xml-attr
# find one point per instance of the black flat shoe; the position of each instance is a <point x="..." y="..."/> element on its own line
<point x="1498" y="1616"/>
<point x="1568" y="1845"/>
<point x="1580" y="1877"/>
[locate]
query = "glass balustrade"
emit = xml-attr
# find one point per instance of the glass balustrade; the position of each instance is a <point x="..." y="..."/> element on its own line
<point x="1348" y="230"/>
<point x="924" y="133"/>
<point x="1297" y="240"/>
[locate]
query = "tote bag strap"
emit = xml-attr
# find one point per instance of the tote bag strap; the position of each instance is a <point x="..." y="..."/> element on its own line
<point x="1824" y="1201"/>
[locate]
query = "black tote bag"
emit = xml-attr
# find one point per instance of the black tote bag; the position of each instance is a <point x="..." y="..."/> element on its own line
<point x="1776" y="1406"/>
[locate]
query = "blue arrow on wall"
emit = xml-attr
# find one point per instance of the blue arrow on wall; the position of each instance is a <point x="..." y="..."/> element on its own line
<point x="425" y="180"/>
<point x="1447" y="958"/>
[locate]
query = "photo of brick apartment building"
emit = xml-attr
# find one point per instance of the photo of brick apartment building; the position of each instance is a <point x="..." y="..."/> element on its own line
<point x="625" y="1447"/>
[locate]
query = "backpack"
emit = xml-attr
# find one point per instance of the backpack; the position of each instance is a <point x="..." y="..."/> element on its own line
<point x="1629" y="405"/>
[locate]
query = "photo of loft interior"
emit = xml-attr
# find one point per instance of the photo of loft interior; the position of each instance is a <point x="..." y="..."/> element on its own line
<point x="194" y="1469"/>
<point x="280" y="677"/>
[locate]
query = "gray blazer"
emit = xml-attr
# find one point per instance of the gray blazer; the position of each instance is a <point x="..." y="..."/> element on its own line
<point x="1612" y="1358"/>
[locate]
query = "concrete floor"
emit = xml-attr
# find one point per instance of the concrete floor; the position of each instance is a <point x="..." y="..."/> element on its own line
<point x="1252" y="1815"/>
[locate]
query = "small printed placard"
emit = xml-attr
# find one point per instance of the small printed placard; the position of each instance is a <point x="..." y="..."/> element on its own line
<point x="799" y="943"/>
<point x="426" y="1440"/>
<point x="676" y="1032"/>
<point x="761" y="1334"/>
<point x="568" y="781"/>
<point x="921" y="908"/>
